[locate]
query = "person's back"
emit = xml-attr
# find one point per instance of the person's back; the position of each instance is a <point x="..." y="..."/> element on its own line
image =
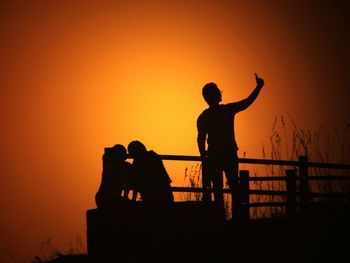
<point x="218" y="122"/>
<point x="150" y="176"/>
<point x="114" y="178"/>
<point x="157" y="183"/>
<point x="116" y="172"/>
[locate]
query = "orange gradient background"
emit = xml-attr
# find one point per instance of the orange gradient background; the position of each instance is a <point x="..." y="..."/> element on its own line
<point x="78" y="76"/>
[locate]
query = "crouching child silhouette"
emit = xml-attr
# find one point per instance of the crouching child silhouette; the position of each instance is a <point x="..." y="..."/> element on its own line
<point x="116" y="171"/>
<point x="150" y="178"/>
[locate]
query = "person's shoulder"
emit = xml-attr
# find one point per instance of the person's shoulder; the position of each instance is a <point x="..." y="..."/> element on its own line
<point x="229" y="106"/>
<point x="153" y="153"/>
<point x="153" y="156"/>
<point x="226" y="105"/>
<point x="203" y="114"/>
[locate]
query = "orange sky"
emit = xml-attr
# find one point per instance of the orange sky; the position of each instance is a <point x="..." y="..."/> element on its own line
<point x="78" y="76"/>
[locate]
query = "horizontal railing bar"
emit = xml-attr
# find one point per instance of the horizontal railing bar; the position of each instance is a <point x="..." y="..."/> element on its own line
<point x="328" y="177"/>
<point x="256" y="161"/>
<point x="257" y="204"/>
<point x="311" y="177"/>
<point x="180" y="157"/>
<point x="240" y="160"/>
<point x="267" y="192"/>
<point x="310" y="194"/>
<point x="328" y="165"/>
<point x="187" y="189"/>
<point x="330" y="195"/>
<point x="196" y="189"/>
<point x="225" y="190"/>
<point x="268" y="162"/>
<point x="267" y="178"/>
<point x="256" y="192"/>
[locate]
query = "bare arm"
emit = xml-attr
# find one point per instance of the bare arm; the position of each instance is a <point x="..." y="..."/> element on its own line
<point x="201" y="138"/>
<point x="130" y="184"/>
<point x="127" y="185"/>
<point x="244" y="104"/>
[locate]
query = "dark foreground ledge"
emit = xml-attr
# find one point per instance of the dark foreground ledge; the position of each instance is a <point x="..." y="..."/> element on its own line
<point x="194" y="232"/>
<point x="131" y="230"/>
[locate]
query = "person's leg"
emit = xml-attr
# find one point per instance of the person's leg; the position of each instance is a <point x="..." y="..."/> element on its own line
<point x="216" y="175"/>
<point x="231" y="174"/>
<point x="230" y="167"/>
<point x="206" y="180"/>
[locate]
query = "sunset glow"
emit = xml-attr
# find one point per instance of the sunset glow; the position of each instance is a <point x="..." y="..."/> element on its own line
<point x="78" y="76"/>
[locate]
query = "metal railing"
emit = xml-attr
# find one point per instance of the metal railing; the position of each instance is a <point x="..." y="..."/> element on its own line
<point x="297" y="194"/>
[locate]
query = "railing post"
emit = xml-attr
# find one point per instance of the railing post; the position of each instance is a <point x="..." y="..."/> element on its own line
<point x="291" y="193"/>
<point x="244" y="194"/>
<point x="304" y="183"/>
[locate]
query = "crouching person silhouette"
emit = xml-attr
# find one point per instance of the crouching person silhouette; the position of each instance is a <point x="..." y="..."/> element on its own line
<point x="115" y="174"/>
<point x="150" y="177"/>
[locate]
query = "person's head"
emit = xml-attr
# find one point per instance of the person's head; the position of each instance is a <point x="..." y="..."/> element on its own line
<point x="117" y="153"/>
<point x="211" y="94"/>
<point x="136" y="149"/>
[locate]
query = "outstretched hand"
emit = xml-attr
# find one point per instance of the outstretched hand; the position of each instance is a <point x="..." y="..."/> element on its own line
<point x="259" y="81"/>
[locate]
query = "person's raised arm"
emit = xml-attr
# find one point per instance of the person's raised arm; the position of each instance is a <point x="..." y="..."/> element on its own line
<point x="243" y="104"/>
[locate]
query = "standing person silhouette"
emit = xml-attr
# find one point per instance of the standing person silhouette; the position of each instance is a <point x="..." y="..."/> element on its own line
<point x="216" y="127"/>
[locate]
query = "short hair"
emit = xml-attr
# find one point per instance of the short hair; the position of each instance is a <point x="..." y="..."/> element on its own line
<point x="119" y="151"/>
<point x="211" y="93"/>
<point x="209" y="87"/>
<point x="115" y="153"/>
<point x="136" y="146"/>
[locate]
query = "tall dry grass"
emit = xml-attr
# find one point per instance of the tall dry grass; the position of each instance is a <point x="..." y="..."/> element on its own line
<point x="48" y="251"/>
<point x="287" y="142"/>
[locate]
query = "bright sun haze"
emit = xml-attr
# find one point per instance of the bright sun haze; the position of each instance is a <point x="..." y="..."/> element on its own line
<point x="78" y="76"/>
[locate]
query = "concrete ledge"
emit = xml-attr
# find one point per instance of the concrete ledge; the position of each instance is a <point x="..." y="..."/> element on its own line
<point x="131" y="228"/>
